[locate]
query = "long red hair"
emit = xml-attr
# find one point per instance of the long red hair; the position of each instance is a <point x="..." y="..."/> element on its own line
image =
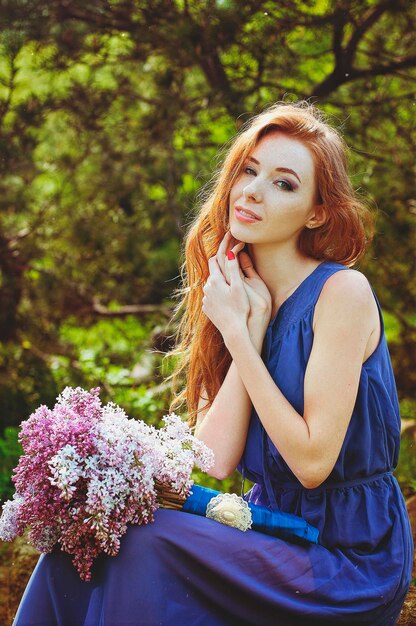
<point x="202" y="359"/>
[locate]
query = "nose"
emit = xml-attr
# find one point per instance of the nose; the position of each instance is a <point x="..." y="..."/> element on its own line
<point x="252" y="191"/>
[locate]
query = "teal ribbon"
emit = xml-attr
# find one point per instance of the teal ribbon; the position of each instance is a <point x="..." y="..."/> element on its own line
<point x="275" y="523"/>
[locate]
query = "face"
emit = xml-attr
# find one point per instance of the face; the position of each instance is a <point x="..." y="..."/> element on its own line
<point x="277" y="185"/>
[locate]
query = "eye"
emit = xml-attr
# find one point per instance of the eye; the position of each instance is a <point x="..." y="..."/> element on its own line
<point x="285" y="185"/>
<point x="249" y="170"/>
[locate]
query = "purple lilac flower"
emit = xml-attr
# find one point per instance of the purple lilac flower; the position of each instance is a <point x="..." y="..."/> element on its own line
<point x="88" y="471"/>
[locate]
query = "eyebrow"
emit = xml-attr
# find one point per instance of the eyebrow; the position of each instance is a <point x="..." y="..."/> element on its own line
<point x="278" y="169"/>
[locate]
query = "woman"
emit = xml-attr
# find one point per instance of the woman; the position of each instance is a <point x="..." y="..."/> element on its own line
<point x="288" y="378"/>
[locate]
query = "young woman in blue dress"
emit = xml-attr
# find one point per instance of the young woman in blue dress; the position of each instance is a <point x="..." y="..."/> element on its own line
<point x="288" y="378"/>
<point x="285" y="353"/>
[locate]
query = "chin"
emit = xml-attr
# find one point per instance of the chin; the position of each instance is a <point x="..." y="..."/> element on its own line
<point x="240" y="233"/>
<point x="237" y="235"/>
<point x="237" y="230"/>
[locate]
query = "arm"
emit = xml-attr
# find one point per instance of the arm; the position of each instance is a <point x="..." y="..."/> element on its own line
<point x="310" y="443"/>
<point x="223" y="427"/>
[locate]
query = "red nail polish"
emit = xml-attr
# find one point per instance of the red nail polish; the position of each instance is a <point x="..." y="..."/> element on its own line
<point x="230" y="255"/>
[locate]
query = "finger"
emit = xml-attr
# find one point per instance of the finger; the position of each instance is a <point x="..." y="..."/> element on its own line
<point x="225" y="242"/>
<point x="222" y="251"/>
<point x="247" y="265"/>
<point x="236" y="249"/>
<point x="228" y="243"/>
<point x="233" y="268"/>
<point x="214" y="269"/>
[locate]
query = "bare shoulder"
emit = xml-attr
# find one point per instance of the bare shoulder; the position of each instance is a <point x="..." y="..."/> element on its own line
<point x="347" y="295"/>
<point x="348" y="284"/>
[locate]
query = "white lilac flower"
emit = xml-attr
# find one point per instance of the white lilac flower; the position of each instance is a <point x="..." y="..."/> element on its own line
<point x="10" y="526"/>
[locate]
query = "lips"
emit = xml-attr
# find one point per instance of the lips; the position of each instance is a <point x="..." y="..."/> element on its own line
<point x="249" y="213"/>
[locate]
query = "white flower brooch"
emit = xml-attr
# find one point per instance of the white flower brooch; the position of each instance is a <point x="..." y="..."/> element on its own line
<point x="230" y="509"/>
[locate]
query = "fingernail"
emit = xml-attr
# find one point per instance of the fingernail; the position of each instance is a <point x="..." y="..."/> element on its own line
<point x="230" y="255"/>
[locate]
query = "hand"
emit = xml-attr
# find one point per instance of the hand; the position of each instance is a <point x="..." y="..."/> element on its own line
<point x="228" y="243"/>
<point x="226" y="304"/>
<point x="256" y="289"/>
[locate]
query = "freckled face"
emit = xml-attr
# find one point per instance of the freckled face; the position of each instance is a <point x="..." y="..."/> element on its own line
<point x="278" y="185"/>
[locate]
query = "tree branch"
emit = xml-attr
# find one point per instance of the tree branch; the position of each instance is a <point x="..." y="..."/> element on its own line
<point x="378" y="70"/>
<point x="344" y="70"/>
<point x="129" y="309"/>
<point x="369" y="20"/>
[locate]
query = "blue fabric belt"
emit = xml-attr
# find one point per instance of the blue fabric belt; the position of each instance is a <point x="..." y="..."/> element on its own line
<point x="276" y="523"/>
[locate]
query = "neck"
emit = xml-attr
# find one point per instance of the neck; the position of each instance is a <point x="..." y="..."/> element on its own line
<point x="282" y="268"/>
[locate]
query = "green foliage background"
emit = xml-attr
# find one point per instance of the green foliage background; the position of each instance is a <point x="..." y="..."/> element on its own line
<point x="112" y="114"/>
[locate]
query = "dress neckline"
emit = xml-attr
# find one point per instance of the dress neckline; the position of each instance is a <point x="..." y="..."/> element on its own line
<point x="295" y="292"/>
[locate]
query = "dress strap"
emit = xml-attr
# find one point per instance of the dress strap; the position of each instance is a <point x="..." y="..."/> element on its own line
<point x="303" y="298"/>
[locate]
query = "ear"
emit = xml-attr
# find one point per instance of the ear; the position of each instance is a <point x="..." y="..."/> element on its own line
<point x="317" y="218"/>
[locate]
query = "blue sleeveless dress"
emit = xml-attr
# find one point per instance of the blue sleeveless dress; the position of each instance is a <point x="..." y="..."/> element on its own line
<point x="186" y="570"/>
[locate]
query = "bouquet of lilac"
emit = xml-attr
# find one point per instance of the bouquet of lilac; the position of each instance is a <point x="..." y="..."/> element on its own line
<point x="87" y="471"/>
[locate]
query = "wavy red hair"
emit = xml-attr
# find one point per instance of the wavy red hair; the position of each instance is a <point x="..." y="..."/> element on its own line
<point x="203" y="359"/>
